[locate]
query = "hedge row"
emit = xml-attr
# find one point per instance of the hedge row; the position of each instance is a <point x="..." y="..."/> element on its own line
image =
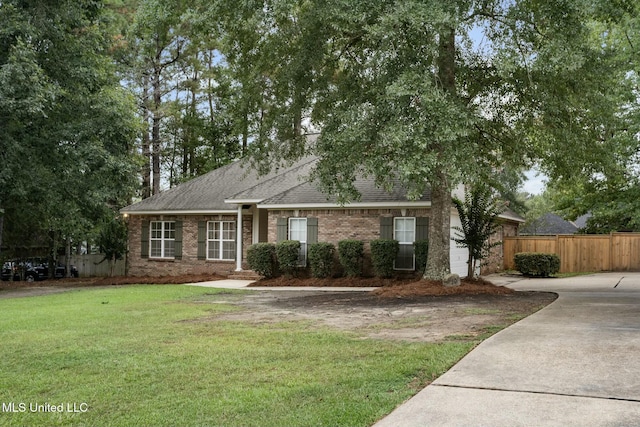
<point x="269" y="259"/>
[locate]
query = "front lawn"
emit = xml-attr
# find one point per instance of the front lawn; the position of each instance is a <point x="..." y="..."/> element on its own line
<point x="159" y="355"/>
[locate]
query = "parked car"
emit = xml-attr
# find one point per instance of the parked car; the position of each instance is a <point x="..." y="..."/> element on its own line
<point x="41" y="272"/>
<point x="34" y="271"/>
<point x="9" y="268"/>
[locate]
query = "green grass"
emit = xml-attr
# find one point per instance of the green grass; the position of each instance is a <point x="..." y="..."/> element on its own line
<point x="158" y="355"/>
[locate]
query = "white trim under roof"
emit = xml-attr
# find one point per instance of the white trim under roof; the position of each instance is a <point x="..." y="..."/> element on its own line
<point x="512" y="217"/>
<point x="243" y="201"/>
<point x="354" y="205"/>
<point x="184" y="212"/>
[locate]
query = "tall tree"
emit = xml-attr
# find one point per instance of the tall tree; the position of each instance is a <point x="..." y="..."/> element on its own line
<point x="184" y="96"/>
<point x="404" y="88"/>
<point x="67" y="123"/>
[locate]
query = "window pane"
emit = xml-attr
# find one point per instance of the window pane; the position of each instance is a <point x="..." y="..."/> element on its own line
<point x="302" y="255"/>
<point x="229" y="250"/>
<point x="169" y="248"/>
<point x="156" y="230"/>
<point x="214" y="250"/>
<point x="404" y="229"/>
<point x="210" y="232"/>
<point x="169" y="230"/>
<point x="156" y="248"/>
<point x="404" y="260"/>
<point x="298" y="229"/>
<point x="229" y="231"/>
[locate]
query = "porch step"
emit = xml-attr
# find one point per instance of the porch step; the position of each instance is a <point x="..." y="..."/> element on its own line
<point x="244" y="275"/>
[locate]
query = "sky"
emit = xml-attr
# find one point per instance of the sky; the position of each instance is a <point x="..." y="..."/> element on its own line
<point x="535" y="182"/>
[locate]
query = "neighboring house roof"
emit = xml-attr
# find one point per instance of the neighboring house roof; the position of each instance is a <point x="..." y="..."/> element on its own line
<point x="581" y="221"/>
<point x="548" y="224"/>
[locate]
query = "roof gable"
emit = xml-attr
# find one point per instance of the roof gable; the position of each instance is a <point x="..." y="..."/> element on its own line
<point x="208" y="192"/>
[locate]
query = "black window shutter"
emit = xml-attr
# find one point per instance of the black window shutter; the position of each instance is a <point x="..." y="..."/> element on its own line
<point x="386" y="227"/>
<point x="312" y="230"/>
<point x="144" y="240"/>
<point x="178" y="240"/>
<point x="281" y="229"/>
<point x="202" y="240"/>
<point x="422" y="228"/>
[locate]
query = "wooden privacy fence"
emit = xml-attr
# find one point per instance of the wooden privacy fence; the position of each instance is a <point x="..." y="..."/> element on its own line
<point x="90" y="265"/>
<point x="580" y="252"/>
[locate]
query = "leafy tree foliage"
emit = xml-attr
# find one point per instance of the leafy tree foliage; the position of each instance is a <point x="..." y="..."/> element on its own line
<point x="67" y="123"/>
<point x="173" y="65"/>
<point x="608" y="190"/>
<point x="404" y="89"/>
<point x="112" y="241"/>
<point x="478" y="214"/>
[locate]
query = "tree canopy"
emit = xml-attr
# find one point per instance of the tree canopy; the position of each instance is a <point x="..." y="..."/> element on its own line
<point x="434" y="93"/>
<point x="67" y="124"/>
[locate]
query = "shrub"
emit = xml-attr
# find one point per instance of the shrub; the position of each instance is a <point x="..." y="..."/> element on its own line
<point x="288" y="255"/>
<point x="321" y="259"/>
<point x="383" y="255"/>
<point x="537" y="264"/>
<point x="421" y="250"/>
<point x="261" y="258"/>
<point x="350" y="253"/>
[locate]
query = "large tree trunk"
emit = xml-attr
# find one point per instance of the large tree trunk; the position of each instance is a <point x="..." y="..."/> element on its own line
<point x="146" y="140"/>
<point x="155" y="130"/>
<point x="438" y="258"/>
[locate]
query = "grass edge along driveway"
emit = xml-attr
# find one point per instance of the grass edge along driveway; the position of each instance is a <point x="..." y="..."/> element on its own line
<point x="158" y="355"/>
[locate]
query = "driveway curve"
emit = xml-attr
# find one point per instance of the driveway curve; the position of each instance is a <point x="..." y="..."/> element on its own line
<point x="574" y="363"/>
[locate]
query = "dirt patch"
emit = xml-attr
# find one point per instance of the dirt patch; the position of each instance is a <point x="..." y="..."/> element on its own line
<point x="414" y="318"/>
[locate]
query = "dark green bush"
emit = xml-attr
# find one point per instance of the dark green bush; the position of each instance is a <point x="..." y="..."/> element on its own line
<point x="350" y="253"/>
<point x="321" y="259"/>
<point x="383" y="255"/>
<point x="537" y="264"/>
<point x="261" y="258"/>
<point x="421" y="250"/>
<point x="288" y="255"/>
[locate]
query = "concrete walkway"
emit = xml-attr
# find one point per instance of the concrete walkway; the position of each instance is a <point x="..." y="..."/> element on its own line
<point x="574" y="363"/>
<point x="243" y="284"/>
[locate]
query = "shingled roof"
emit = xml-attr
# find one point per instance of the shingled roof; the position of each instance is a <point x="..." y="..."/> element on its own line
<point x="221" y="190"/>
<point x="548" y="224"/>
<point x="207" y="193"/>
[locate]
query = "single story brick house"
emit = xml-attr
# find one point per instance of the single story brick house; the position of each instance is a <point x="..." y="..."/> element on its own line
<point x="205" y="225"/>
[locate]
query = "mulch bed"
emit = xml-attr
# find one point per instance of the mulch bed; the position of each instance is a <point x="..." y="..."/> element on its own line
<point x="395" y="287"/>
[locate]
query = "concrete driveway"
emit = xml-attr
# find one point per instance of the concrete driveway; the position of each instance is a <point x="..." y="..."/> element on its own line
<point x="574" y="363"/>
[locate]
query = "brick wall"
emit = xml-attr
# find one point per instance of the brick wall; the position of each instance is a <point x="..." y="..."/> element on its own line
<point x="336" y="224"/>
<point x="333" y="225"/>
<point x="189" y="264"/>
<point x="494" y="263"/>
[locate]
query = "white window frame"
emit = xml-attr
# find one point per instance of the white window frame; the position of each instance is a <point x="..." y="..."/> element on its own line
<point x="220" y="240"/>
<point x="405" y="242"/>
<point x="167" y="233"/>
<point x="302" y="258"/>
